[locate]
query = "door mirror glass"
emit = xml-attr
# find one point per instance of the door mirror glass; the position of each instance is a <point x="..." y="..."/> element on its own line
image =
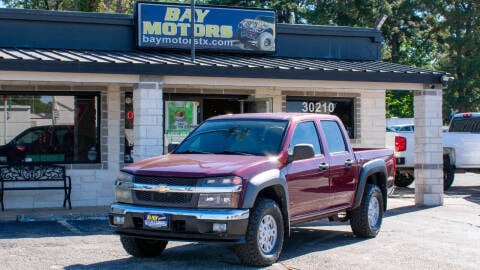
<point x="302" y="151"/>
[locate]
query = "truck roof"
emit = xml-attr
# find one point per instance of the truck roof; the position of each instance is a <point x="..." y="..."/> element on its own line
<point x="276" y="116"/>
<point x="467" y="114"/>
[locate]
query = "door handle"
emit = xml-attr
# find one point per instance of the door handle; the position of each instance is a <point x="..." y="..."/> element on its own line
<point x="324" y="166"/>
<point x="348" y="163"/>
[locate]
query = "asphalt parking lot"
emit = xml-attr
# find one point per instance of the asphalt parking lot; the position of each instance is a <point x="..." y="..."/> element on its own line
<point x="446" y="237"/>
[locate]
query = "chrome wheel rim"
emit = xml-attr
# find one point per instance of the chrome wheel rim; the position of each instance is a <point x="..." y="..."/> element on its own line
<point x="373" y="211"/>
<point x="267" y="234"/>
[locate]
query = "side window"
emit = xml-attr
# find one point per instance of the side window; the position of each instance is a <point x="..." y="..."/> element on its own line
<point x="306" y="133"/>
<point x="31" y="137"/>
<point x="334" y="137"/>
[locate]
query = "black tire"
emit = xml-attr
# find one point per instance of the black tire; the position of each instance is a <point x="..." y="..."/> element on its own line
<point x="403" y="179"/>
<point x="448" y="173"/>
<point x="366" y="219"/>
<point x="266" y="215"/>
<point x="139" y="247"/>
<point x="266" y="42"/>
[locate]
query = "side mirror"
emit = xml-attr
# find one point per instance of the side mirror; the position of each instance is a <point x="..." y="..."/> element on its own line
<point x="302" y="151"/>
<point x="171" y="147"/>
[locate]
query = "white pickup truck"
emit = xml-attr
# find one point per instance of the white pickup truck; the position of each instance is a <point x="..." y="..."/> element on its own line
<point x="461" y="149"/>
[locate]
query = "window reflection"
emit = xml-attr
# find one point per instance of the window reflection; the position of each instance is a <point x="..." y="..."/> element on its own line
<point x="49" y="128"/>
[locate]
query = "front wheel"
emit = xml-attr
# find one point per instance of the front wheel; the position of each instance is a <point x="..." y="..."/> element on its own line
<point x="266" y="42"/>
<point x="264" y="237"/>
<point x="366" y="219"/>
<point x="139" y="247"/>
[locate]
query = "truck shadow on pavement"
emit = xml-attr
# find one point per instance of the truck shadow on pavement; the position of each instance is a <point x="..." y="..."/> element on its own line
<point x="306" y="240"/>
<point x="185" y="256"/>
<point x="303" y="240"/>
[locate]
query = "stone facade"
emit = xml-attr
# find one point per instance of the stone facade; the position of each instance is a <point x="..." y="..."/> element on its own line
<point x="93" y="183"/>
<point x="428" y="147"/>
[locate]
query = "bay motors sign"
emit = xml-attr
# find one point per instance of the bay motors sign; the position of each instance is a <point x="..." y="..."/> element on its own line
<point x="168" y="26"/>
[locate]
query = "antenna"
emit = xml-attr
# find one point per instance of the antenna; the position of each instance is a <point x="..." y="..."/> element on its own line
<point x="192" y="28"/>
<point x="380" y="21"/>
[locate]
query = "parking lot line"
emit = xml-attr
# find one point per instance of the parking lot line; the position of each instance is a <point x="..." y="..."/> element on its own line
<point x="69" y="226"/>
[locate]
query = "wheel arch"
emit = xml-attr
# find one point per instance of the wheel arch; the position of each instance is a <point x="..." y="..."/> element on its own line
<point x="270" y="185"/>
<point x="373" y="172"/>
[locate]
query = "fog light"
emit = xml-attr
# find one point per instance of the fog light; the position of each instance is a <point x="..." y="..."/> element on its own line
<point x="219" y="227"/>
<point x="118" y="220"/>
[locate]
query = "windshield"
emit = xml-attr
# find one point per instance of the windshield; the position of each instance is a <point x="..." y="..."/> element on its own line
<point x="465" y="124"/>
<point x="235" y="137"/>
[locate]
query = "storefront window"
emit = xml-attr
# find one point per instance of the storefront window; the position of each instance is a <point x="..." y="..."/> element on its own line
<point x="49" y="128"/>
<point x="341" y="107"/>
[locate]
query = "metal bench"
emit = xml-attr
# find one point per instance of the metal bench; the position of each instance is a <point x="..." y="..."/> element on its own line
<point x="29" y="173"/>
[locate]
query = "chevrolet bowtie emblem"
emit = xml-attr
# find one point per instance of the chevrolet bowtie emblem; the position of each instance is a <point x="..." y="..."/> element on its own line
<point x="161" y="189"/>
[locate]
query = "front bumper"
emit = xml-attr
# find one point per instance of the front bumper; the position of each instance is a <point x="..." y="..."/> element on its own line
<point x="184" y="224"/>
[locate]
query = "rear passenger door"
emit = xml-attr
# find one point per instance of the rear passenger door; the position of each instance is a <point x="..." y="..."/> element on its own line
<point x="308" y="179"/>
<point x="342" y="169"/>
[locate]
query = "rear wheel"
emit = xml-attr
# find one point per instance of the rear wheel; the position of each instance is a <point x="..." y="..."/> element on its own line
<point x="139" y="247"/>
<point x="448" y="173"/>
<point x="366" y="219"/>
<point x="264" y="238"/>
<point x="403" y="179"/>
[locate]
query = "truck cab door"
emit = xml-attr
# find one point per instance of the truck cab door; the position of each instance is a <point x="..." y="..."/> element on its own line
<point x="307" y="179"/>
<point x="342" y="164"/>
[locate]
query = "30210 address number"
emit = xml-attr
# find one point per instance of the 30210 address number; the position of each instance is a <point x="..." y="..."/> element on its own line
<point x="318" y="107"/>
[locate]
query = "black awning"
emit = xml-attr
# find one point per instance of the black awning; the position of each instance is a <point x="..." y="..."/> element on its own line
<point x="211" y="65"/>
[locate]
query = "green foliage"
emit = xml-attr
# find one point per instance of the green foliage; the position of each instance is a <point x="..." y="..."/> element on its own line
<point x="71" y="5"/>
<point x="399" y="104"/>
<point x="461" y="28"/>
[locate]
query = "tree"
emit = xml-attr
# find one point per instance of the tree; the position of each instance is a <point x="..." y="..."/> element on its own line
<point x="408" y="32"/>
<point x="399" y="104"/>
<point x="461" y="27"/>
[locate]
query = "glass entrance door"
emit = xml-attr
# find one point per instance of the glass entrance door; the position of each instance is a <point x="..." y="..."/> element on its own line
<point x="257" y="105"/>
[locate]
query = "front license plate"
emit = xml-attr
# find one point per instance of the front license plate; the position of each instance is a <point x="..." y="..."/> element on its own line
<point x="156" y="220"/>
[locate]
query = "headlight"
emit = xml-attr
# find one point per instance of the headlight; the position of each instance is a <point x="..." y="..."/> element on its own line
<point x="223" y="192"/>
<point x="123" y="187"/>
<point x="124" y="177"/>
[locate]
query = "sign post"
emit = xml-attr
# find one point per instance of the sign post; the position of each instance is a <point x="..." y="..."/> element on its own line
<point x="192" y="33"/>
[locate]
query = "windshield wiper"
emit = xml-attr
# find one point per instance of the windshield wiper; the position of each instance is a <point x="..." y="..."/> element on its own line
<point x="235" y="153"/>
<point x="193" y="152"/>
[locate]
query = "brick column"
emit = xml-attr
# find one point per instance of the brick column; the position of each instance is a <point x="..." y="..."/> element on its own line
<point x="148" y="121"/>
<point x="372" y="118"/>
<point x="111" y="131"/>
<point x="428" y="147"/>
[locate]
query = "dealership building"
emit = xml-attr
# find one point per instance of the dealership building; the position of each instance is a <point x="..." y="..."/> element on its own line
<point x="124" y="87"/>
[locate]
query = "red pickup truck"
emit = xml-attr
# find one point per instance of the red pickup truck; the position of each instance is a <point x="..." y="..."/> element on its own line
<point x="247" y="179"/>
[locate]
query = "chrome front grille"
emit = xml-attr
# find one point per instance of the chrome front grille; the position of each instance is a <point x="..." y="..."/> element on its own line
<point x="176" y="198"/>
<point x="165" y="199"/>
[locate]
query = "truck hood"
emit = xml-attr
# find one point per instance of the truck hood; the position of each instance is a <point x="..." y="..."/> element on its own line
<point x="203" y="165"/>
